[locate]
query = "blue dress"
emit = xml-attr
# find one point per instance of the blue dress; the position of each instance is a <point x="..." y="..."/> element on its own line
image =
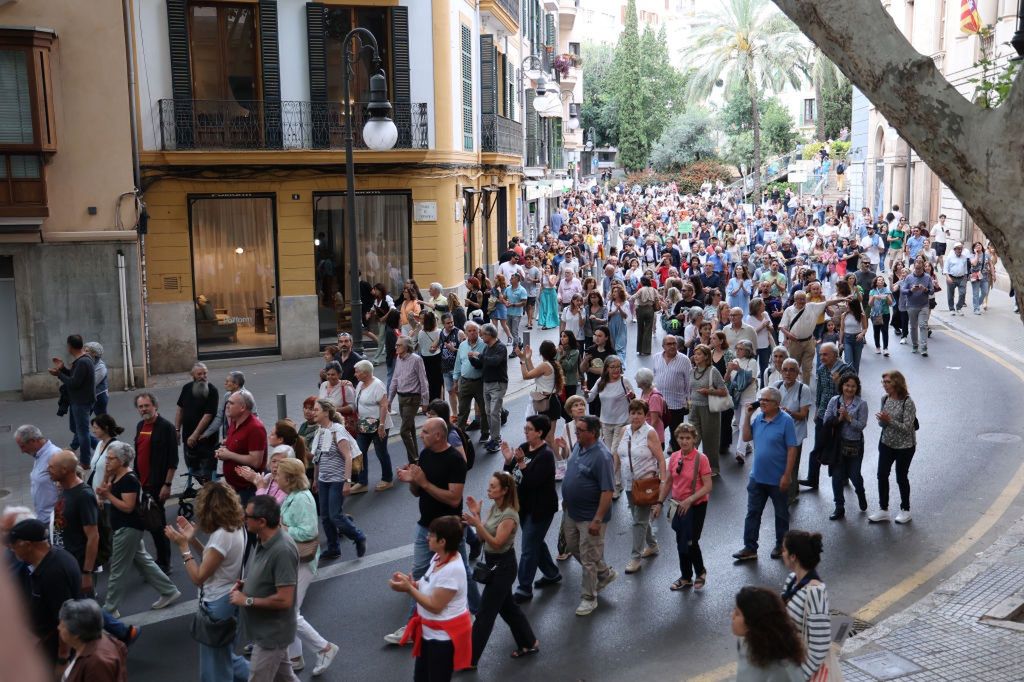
<point x="500" y="312"/>
<point x="741" y="299"/>
<point x="548" y="307"/>
<point x="617" y="326"/>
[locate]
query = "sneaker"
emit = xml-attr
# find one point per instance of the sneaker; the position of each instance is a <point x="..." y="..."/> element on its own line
<point x="520" y="598"/>
<point x="133" y="634"/>
<point x="324" y="659"/>
<point x="473" y="425"/>
<point x="608" y="579"/>
<point x="298" y="663"/>
<point x="247" y="649"/>
<point x="880" y="516"/>
<point x="493" y="446"/>
<point x="357" y="489"/>
<point x="903" y="517"/>
<point x="384" y="485"/>
<point x="924" y="353"/>
<point x="166" y="600"/>
<point x="396" y="636"/>
<point x="114" y="614"/>
<point x="586" y="607"/>
<point x="544" y="581"/>
<point x="914" y="350"/>
<point x="885" y="353"/>
<point x="903" y="341"/>
<point x="878" y="351"/>
<point x="862" y="501"/>
<point x="633" y="566"/>
<point x="649" y="552"/>
<point x="330" y="554"/>
<point x="745" y="554"/>
<point x="360" y="547"/>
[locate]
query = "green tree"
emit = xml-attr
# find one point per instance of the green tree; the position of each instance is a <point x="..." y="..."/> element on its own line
<point x="686" y="140"/>
<point x="735" y="120"/>
<point x="663" y="87"/>
<point x="825" y="77"/>
<point x="747" y="42"/>
<point x="600" y="109"/>
<point x="629" y="87"/>
<point x="836" y="110"/>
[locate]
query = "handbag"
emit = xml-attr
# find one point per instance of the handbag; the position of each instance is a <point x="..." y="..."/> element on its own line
<point x="368" y="424"/>
<point x="645" y="491"/>
<point x="307" y="549"/>
<point x="876" y="320"/>
<point x="482" y="573"/>
<point x="210" y="631"/>
<point x="720" y="403"/>
<point x="149" y="511"/>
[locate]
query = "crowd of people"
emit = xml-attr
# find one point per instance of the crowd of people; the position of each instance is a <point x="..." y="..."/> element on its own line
<point x="761" y="314"/>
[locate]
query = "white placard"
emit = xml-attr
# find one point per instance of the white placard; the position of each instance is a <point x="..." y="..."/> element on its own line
<point x="424" y="211"/>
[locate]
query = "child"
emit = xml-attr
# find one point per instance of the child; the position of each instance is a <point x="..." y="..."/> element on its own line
<point x="830" y="335"/>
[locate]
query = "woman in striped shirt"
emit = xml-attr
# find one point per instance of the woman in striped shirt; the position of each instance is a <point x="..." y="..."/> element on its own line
<point x="806" y="601"/>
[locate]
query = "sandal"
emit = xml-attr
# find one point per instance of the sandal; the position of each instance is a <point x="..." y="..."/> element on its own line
<point x="681" y="584"/>
<point x="523" y="653"/>
<point x="700" y="582"/>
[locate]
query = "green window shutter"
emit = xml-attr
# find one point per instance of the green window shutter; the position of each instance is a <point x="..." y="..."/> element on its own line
<point x="556" y="143"/>
<point x="467" y="89"/>
<point x="511" y="89"/>
<point x="532" y="129"/>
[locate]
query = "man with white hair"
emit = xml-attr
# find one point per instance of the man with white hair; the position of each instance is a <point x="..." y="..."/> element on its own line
<point x="197" y="407"/>
<point x="436" y="301"/>
<point x="409" y="383"/>
<point x="245" y="445"/>
<point x="829" y="375"/>
<point x="232" y="382"/>
<point x="796" y="402"/>
<point x="30" y="440"/>
<point x="738" y="330"/>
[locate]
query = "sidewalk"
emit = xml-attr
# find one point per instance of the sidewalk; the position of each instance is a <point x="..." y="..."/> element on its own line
<point x="998" y="327"/>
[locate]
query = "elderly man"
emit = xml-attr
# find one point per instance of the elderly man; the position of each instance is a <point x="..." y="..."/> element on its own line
<point x="515" y="294"/>
<point x="586" y="503"/>
<point x="80" y="382"/>
<point x="75" y="516"/>
<point x="30" y="440"/>
<point x="245" y="445"/>
<point x="797" y="326"/>
<point x="197" y="407"/>
<point x="915" y="290"/>
<point x="796" y="402"/>
<point x="672" y="371"/>
<point x="775" y="449"/>
<point x="156" y="461"/>
<point x="957" y="266"/>
<point x="98" y="657"/>
<point x="469" y="382"/>
<point x="219" y="426"/>
<point x="494" y="372"/>
<point x="409" y="382"/>
<point x="738" y="331"/>
<point x="568" y="287"/>
<point x="829" y="375"/>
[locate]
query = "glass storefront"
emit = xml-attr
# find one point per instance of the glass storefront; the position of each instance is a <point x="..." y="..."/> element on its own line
<point x="384" y="237"/>
<point x="234" y="269"/>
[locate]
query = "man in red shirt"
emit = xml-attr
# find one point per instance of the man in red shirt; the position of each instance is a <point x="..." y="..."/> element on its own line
<point x="156" y="461"/>
<point x="246" y="443"/>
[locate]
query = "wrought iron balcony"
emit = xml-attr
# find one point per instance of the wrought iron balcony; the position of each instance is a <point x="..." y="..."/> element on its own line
<point x="259" y="125"/>
<point x="501" y="135"/>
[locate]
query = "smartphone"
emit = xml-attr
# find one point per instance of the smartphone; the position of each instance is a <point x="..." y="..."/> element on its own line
<point x="756" y="404"/>
<point x="526" y="338"/>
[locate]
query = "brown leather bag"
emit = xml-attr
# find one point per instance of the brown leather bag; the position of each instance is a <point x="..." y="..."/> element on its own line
<point x="645" y="491"/>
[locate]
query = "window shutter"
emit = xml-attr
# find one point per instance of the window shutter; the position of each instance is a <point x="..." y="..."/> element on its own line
<point x="16" y="125"/>
<point x="181" y="72"/>
<point x="513" y="74"/>
<point x="271" y="62"/>
<point x="400" y="89"/>
<point x="488" y="77"/>
<point x="467" y="89"/>
<point x="316" y="43"/>
<point x="532" y="129"/>
<point x="550" y="34"/>
<point x="556" y="143"/>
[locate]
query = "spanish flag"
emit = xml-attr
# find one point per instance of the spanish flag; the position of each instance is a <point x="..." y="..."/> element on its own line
<point x="970" y="20"/>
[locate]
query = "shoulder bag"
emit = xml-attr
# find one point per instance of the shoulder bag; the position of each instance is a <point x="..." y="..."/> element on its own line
<point x="364" y="424"/>
<point x="149" y="511"/>
<point x="718" y="403"/>
<point x="645" y="491"/>
<point x="210" y="631"/>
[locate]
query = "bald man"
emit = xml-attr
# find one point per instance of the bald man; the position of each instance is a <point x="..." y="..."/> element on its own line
<point x="75" y="516"/>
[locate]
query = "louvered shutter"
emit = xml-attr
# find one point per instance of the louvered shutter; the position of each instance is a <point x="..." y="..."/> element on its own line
<point x="550" y="39"/>
<point x="271" y="62"/>
<point x="532" y="129"/>
<point x="467" y="89"/>
<point x="488" y="77"/>
<point x="316" y="43"/>
<point x="510" y="88"/>
<point x="181" y="72"/>
<point x="401" y="97"/>
<point x="557" y="143"/>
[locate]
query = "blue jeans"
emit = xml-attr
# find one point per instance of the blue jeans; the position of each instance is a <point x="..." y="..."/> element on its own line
<point x="332" y="513"/>
<point x="757" y="497"/>
<point x="853" y="348"/>
<point x="535" y="554"/>
<point x="380" y="446"/>
<point x="979" y="289"/>
<point x="100" y="406"/>
<point x="78" y="422"/>
<point x="421" y="555"/>
<point x="222" y="664"/>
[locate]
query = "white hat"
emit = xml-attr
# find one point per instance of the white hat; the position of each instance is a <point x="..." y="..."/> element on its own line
<point x="958" y="245"/>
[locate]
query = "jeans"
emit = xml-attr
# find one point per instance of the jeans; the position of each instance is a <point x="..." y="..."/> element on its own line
<point x="270" y="665"/>
<point x="497" y="601"/>
<point x="882" y="330"/>
<point x="853" y="348"/>
<point x="643" y="531"/>
<point x="979" y="290"/>
<point x="100" y="406"/>
<point x="494" y="394"/>
<point x="688" y="528"/>
<point x="588" y="550"/>
<point x="222" y="664"/>
<point x="471" y="390"/>
<point x="847" y="469"/>
<point x="128" y="551"/>
<point x="304" y="632"/>
<point x="78" y="422"/>
<point x="513" y="328"/>
<point x="901" y="457"/>
<point x="332" y="513"/>
<point x="535" y="553"/>
<point x="918" y="322"/>
<point x="757" y="497"/>
<point x="408" y="406"/>
<point x="380" y="446"/>
<point x="421" y="555"/>
<point x="764" y="358"/>
<point x="958" y="284"/>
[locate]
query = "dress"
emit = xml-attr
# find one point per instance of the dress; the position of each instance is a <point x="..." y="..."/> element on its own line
<point x="548" y="305"/>
<point x="617" y="326"/>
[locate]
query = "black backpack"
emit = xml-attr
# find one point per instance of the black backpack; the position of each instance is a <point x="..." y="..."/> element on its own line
<point x="467" y="445"/>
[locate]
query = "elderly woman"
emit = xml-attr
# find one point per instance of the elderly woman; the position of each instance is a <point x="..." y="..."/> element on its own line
<point x="333" y="388"/>
<point x="773" y="374"/>
<point x="896" y="445"/>
<point x="850" y="415"/>
<point x="656" y="407"/>
<point x="121" y="490"/>
<point x="706" y="381"/>
<point x="333" y="451"/>
<point x="373" y="424"/>
<point x="299" y="520"/>
<point x="642" y="457"/>
<point x="744" y="370"/>
<point x="100" y="376"/>
<point x="266" y="484"/>
<point x="98" y="657"/>
<point x="615" y="394"/>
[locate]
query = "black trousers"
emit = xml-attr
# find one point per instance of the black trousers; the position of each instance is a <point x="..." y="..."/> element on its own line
<point x="497" y="601"/>
<point x="435" y="662"/>
<point x="160" y="541"/>
<point x="674" y="418"/>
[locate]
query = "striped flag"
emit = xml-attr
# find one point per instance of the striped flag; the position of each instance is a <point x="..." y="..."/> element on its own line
<point x="970" y="20"/>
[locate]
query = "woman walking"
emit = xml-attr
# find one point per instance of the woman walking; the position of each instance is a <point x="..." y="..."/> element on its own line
<point x="618" y="315"/>
<point x="980" y="275"/>
<point x="744" y="381"/>
<point x="595" y="316"/>
<point x="498" y="533"/>
<point x="548" y="316"/>
<point x="806" y="600"/>
<point x="498" y="305"/>
<point x="706" y="381"/>
<point x="850" y="413"/>
<point x="898" y="419"/>
<point x="762" y="324"/>
<point x="722" y="358"/>
<point x="853" y="331"/>
<point x="769" y="649"/>
<point x="880" y="303"/>
<point x="333" y="451"/>
<point x="105" y="430"/>
<point x="548" y="382"/>
<point x="647" y="304"/>
<point x="569" y="359"/>
<point x="687" y="484"/>
<point x="615" y="393"/>
<point x="739" y="289"/>
<point x="642" y="457"/>
<point x="428" y="345"/>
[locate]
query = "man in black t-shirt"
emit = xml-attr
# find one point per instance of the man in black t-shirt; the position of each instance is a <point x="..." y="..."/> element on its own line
<point x="197" y="406"/>
<point x="75" y="516"/>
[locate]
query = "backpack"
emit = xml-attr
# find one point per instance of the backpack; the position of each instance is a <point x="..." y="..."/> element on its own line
<point x="467" y="445"/>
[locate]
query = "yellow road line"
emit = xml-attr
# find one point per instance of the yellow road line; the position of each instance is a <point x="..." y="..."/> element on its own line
<point x="879" y="604"/>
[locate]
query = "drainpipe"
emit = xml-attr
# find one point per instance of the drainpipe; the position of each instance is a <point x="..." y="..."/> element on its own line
<point x="906" y="186"/>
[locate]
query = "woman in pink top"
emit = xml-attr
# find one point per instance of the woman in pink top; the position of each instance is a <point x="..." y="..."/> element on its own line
<point x="266" y="484"/>
<point x="688" y="484"/>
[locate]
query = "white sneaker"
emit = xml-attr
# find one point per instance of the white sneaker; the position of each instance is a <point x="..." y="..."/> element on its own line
<point x="396" y="636"/>
<point x="903" y="517"/>
<point x="324" y="659"/>
<point x="903" y="341"/>
<point x="164" y="602"/>
<point x="881" y="516"/>
<point x="586" y="607"/>
<point x="298" y="664"/>
<point x="608" y="579"/>
<point x="633" y="566"/>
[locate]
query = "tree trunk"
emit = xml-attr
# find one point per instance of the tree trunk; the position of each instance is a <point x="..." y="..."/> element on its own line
<point x="819" y="118"/>
<point x="976" y="152"/>
<point x="755" y="115"/>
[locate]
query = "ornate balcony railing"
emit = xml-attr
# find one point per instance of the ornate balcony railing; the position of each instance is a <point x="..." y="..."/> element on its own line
<point x="260" y="125"/>
<point x="501" y="135"/>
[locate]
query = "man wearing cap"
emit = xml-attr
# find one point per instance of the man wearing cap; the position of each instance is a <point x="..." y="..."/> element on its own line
<point x="957" y="265"/>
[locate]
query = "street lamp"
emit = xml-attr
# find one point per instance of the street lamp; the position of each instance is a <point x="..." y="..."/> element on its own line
<point x="379" y="134"/>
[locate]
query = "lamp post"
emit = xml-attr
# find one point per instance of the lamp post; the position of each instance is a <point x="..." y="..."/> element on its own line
<point x="379" y="133"/>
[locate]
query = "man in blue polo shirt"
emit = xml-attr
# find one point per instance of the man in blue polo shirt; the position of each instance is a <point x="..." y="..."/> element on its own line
<point x="775" y="449"/>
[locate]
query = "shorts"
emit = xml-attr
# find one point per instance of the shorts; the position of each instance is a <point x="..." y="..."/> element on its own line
<point x="531" y="301"/>
<point x="940" y="249"/>
<point x="449" y="380"/>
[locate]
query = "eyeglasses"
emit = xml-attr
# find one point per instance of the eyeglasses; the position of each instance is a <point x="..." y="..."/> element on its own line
<point x="252" y="517"/>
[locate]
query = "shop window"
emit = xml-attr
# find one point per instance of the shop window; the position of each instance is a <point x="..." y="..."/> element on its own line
<point x="235" y="273"/>
<point x="384" y="234"/>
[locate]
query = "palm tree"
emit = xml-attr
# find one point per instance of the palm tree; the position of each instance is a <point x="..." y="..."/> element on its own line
<point x="748" y="43"/>
<point x="823" y="74"/>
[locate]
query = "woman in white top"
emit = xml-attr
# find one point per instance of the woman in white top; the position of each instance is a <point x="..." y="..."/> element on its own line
<point x="572" y="316"/>
<point x="374" y="424"/>
<point x="744" y="361"/>
<point x="215" y="568"/>
<point x="762" y="324"/>
<point x="428" y="345"/>
<point x="642" y="457"/>
<point x="615" y="392"/>
<point x="548" y="380"/>
<point x="334" y="389"/>
<point x="334" y="448"/>
<point x="773" y="374"/>
<point x="105" y="430"/>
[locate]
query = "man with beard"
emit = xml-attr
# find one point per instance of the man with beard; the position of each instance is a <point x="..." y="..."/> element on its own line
<point x="197" y="407"/>
<point x="347" y="358"/>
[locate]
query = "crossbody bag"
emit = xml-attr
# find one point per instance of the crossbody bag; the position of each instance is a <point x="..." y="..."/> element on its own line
<point x="645" y="491"/>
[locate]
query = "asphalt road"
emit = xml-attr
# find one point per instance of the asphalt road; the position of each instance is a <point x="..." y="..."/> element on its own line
<point x="642" y="630"/>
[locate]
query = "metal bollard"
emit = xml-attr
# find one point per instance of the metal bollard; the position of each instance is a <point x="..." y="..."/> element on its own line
<point x="282" y="406"/>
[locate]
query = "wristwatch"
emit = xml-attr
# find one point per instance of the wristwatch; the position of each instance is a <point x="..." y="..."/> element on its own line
<point x="249" y="601"/>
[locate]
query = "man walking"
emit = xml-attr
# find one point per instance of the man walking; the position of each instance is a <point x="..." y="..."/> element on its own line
<point x="494" y="372"/>
<point x="197" y="407"/>
<point x="266" y="599"/>
<point x="828" y="378"/>
<point x="672" y="372"/>
<point x="532" y="285"/>
<point x="957" y="266"/>
<point x="915" y="290"/>
<point x="30" y="440"/>
<point x="409" y="383"/>
<point x="75" y="517"/>
<point x="795" y="401"/>
<point x="586" y="507"/>
<point x="775" y="449"/>
<point x="156" y="462"/>
<point x="469" y="382"/>
<point x="516" y="296"/>
<point x="80" y="382"/>
<point x="245" y="445"/>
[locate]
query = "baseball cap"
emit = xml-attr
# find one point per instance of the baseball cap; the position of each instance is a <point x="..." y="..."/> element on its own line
<point x="30" y="530"/>
<point x="958" y="245"/>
